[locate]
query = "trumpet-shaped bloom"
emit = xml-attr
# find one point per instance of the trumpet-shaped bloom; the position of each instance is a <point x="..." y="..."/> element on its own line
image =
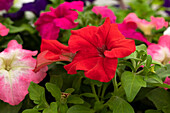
<point x="49" y="23"/>
<point x="97" y="50"/>
<point x="3" y="30"/>
<point x="128" y="29"/>
<point x="105" y="12"/>
<point x="16" y="72"/>
<point x="160" y="52"/>
<point x="52" y="51"/>
<point x="5" y="4"/>
<point x="145" y="26"/>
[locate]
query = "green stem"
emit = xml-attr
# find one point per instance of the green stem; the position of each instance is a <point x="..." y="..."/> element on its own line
<point x="99" y="90"/>
<point x="103" y="90"/>
<point x="115" y="84"/>
<point x="94" y="92"/>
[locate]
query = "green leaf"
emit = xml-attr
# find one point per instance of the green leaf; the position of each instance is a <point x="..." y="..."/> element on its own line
<point x="160" y="85"/>
<point x="153" y="78"/>
<point x="69" y="90"/>
<point x="54" y="90"/>
<point x="63" y="108"/>
<point x="79" y="109"/>
<point x="118" y="105"/>
<point x="37" y="94"/>
<point x="6" y="108"/>
<point x="30" y="111"/>
<point x="75" y="99"/>
<point x="57" y="79"/>
<point x="148" y="61"/>
<point x="52" y="109"/>
<point x="164" y="71"/>
<point x="87" y="95"/>
<point x="132" y="84"/>
<point x="77" y="83"/>
<point x="98" y="106"/>
<point x="153" y="111"/>
<point x="23" y="27"/>
<point x="141" y="47"/>
<point x="161" y="99"/>
<point x="4" y="41"/>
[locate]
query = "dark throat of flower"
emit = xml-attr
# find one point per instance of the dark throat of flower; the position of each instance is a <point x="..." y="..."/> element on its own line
<point x="101" y="50"/>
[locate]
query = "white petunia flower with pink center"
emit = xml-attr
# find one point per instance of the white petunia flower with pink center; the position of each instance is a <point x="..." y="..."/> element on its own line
<point x="16" y="72"/>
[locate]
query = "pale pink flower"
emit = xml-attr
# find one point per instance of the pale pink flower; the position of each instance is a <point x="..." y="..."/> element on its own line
<point x="145" y="26"/>
<point x="3" y="30"/>
<point x="104" y="12"/>
<point x="16" y="72"/>
<point x="160" y="52"/>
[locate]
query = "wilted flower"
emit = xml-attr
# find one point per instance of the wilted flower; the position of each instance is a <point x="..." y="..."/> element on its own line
<point x="52" y="51"/>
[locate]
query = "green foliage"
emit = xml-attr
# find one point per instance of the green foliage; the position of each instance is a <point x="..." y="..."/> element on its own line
<point x="160" y="98"/>
<point x="79" y="109"/>
<point x="119" y="105"/>
<point x="132" y="84"/>
<point x="6" y="108"/>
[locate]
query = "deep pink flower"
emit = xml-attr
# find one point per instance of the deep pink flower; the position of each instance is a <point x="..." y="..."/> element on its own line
<point x="49" y="23"/>
<point x="128" y="29"/>
<point x="145" y="26"/>
<point x="105" y="12"/>
<point x="3" y="30"/>
<point x="5" y="4"/>
<point x="97" y="50"/>
<point x="16" y="72"/>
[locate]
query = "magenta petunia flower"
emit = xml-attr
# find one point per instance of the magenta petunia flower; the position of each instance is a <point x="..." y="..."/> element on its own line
<point x="16" y="72"/>
<point x="105" y="12"/>
<point x="128" y="29"/>
<point x="5" y="4"/>
<point x="145" y="26"/>
<point x="49" y="23"/>
<point x="3" y="30"/>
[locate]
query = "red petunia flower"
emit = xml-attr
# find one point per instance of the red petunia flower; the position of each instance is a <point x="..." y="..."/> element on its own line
<point x="97" y="51"/>
<point x="52" y="51"/>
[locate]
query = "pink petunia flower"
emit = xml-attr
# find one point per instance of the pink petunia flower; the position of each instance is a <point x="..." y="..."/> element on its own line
<point x="161" y="52"/>
<point x="16" y="72"/>
<point x="5" y="4"/>
<point x="3" y="30"/>
<point x="105" y="12"/>
<point x="128" y="29"/>
<point x="145" y="26"/>
<point x="49" y="23"/>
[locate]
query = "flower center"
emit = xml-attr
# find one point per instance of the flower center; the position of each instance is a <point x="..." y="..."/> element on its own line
<point x="167" y="56"/>
<point x="101" y="50"/>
